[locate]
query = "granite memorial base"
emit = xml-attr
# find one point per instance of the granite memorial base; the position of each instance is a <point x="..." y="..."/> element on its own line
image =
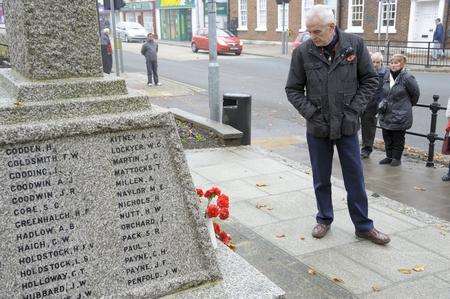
<point x="99" y="206"/>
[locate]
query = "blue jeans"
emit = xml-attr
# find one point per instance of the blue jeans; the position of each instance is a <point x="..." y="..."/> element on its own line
<point x="321" y="154"/>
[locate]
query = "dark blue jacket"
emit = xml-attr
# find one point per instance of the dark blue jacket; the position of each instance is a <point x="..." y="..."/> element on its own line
<point x="438" y="35"/>
<point x="372" y="106"/>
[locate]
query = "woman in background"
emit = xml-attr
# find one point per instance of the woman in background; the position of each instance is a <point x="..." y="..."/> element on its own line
<point x="400" y="93"/>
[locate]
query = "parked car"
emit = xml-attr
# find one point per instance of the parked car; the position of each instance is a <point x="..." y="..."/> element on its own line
<point x="226" y="42"/>
<point x="302" y="37"/>
<point x="131" y="31"/>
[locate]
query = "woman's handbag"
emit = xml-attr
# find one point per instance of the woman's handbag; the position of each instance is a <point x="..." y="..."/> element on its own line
<point x="446" y="144"/>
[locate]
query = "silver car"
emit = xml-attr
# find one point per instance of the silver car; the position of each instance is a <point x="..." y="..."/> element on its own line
<point x="131" y="31"/>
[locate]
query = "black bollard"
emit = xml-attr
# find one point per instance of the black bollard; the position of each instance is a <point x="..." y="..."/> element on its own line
<point x="432" y="136"/>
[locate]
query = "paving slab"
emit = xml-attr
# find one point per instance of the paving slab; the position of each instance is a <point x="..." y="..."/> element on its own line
<point x="436" y="238"/>
<point x="264" y="165"/>
<point x="238" y="190"/>
<point x="280" y="182"/>
<point x="199" y="181"/>
<point x="395" y="214"/>
<point x="247" y="152"/>
<point x="203" y="158"/>
<point x="398" y="254"/>
<point x="224" y="172"/>
<point x="248" y="215"/>
<point x="288" y="235"/>
<point x="427" y="287"/>
<point x="444" y="276"/>
<point x="355" y="277"/>
<point x="383" y="222"/>
<point x="288" y="205"/>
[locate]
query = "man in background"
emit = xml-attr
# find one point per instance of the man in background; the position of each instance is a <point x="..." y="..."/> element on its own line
<point x="150" y="51"/>
<point x="438" y="40"/>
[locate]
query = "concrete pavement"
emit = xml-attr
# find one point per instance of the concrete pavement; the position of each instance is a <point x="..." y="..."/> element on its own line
<point x="273" y="208"/>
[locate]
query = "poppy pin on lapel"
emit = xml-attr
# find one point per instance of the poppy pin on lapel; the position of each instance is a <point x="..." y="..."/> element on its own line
<point x="351" y="57"/>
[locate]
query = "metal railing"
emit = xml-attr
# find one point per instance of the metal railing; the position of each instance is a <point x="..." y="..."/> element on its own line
<point x="432" y="137"/>
<point x="427" y="54"/>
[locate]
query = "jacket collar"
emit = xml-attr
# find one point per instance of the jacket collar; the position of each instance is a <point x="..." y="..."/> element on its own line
<point x="342" y="47"/>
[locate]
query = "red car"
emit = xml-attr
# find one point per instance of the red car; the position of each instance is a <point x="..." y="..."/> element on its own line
<point x="302" y="37"/>
<point x="226" y="42"/>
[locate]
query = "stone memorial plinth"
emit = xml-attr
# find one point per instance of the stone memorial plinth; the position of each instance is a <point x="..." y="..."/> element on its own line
<point x="101" y="206"/>
<point x="54" y="39"/>
<point x="96" y="199"/>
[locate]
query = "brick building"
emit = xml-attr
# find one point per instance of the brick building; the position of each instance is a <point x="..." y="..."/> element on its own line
<point x="403" y="20"/>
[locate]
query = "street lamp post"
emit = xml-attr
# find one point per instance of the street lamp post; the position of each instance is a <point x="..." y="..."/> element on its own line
<point x="213" y="67"/>
<point x="113" y="20"/>
<point x="283" y="38"/>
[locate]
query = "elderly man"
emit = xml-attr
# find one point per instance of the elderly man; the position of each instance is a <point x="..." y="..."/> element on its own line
<point x="369" y="117"/>
<point x="336" y="70"/>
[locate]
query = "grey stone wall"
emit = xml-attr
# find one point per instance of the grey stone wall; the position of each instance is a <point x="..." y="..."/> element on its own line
<point x="53" y="39"/>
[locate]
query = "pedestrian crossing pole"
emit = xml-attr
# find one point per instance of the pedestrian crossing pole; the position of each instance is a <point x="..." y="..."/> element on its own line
<point x="283" y="37"/>
<point x="213" y="67"/>
<point x="114" y="32"/>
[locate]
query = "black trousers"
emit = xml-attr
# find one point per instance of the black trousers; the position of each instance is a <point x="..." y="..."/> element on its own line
<point x="368" y="129"/>
<point x="152" y="71"/>
<point x="106" y="60"/>
<point x="394" y="142"/>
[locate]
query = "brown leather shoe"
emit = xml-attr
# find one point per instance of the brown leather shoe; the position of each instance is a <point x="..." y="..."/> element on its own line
<point x="375" y="236"/>
<point x="320" y="230"/>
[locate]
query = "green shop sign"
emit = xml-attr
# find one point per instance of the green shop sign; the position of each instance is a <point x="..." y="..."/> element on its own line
<point x="138" y="6"/>
<point x="221" y="8"/>
<point x="176" y="3"/>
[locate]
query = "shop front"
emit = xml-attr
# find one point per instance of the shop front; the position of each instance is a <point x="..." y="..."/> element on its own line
<point x="176" y="18"/>
<point x="140" y="12"/>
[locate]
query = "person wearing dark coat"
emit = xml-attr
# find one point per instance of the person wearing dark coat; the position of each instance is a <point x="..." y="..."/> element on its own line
<point x="446" y="177"/>
<point x="369" y="117"/>
<point x="400" y="93"/>
<point x="438" y="40"/>
<point x="331" y="80"/>
<point x="106" y="48"/>
<point x="150" y="51"/>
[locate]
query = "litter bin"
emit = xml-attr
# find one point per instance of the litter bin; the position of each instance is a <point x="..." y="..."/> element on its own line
<point x="237" y="110"/>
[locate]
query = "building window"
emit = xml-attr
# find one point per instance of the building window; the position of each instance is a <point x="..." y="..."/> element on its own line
<point x="242" y="14"/>
<point x="280" y="17"/>
<point x="261" y="15"/>
<point x="387" y="14"/>
<point x="355" y="16"/>
<point x="306" y="6"/>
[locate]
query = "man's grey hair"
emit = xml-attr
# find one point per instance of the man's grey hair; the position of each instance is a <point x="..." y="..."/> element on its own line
<point x="323" y="12"/>
<point x="377" y="55"/>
